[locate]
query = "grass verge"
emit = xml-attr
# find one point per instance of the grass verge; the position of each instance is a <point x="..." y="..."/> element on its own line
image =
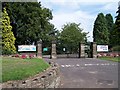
<point x="115" y="59"/>
<point x="18" y="69"/>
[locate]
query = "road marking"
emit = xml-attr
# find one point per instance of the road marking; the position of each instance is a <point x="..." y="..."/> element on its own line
<point x="62" y="66"/>
<point x="77" y="65"/>
<point x="93" y="72"/>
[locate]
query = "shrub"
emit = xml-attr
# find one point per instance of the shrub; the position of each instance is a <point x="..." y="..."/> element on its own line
<point x="116" y="48"/>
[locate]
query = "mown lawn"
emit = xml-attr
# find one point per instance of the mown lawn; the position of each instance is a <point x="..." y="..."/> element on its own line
<point x="17" y="69"/>
<point x="115" y="59"/>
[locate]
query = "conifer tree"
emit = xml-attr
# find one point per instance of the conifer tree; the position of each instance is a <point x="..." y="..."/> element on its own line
<point x="100" y="30"/>
<point x="116" y="31"/>
<point x="8" y="39"/>
<point x="110" y="24"/>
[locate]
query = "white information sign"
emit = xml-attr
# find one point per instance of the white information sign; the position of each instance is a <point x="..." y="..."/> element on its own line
<point x="102" y="48"/>
<point x="26" y="48"/>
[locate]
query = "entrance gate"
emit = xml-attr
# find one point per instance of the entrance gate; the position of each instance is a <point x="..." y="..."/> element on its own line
<point x="91" y="52"/>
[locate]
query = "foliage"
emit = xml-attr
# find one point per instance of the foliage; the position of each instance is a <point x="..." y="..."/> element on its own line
<point x="100" y="30"/>
<point x="71" y="36"/>
<point x="116" y="48"/>
<point x="29" y="20"/>
<point x="110" y="23"/>
<point x="116" y="31"/>
<point x="8" y="39"/>
<point x="17" y="69"/>
<point x="0" y="32"/>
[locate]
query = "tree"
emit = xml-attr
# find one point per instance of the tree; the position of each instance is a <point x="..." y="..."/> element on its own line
<point x="116" y="31"/>
<point x="100" y="30"/>
<point x="110" y="23"/>
<point x="71" y="36"/>
<point x="8" y="39"/>
<point x="0" y="32"/>
<point x="29" y="20"/>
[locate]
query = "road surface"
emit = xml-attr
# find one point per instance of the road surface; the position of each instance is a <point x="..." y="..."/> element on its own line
<point x="87" y="73"/>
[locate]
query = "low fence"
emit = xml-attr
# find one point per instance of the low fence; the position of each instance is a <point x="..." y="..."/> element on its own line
<point x="48" y="79"/>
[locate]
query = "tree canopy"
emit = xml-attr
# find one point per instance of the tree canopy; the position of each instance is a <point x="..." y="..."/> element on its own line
<point x="71" y="36"/>
<point x="110" y="23"/>
<point x="116" y="31"/>
<point x="30" y="21"/>
<point x="100" y="30"/>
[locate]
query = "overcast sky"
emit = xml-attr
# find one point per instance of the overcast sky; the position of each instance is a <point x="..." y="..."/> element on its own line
<point x="79" y="11"/>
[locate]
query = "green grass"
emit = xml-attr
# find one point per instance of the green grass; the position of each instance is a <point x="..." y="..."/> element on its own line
<point x="18" y="69"/>
<point x="115" y="59"/>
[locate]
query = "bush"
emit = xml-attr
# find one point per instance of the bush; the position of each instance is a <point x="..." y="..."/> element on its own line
<point x="116" y="48"/>
<point x="6" y="52"/>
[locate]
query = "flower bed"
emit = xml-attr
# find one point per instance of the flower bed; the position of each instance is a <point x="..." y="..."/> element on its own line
<point x="23" y="56"/>
<point x="108" y="55"/>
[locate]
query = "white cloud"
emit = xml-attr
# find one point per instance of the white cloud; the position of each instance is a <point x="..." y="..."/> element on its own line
<point x="70" y="11"/>
<point x="65" y="1"/>
<point x="110" y="6"/>
<point x="84" y="18"/>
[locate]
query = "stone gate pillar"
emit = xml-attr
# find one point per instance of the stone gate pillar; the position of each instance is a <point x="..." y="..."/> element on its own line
<point x="81" y="50"/>
<point x="53" y="52"/>
<point x="39" y="49"/>
<point x="93" y="50"/>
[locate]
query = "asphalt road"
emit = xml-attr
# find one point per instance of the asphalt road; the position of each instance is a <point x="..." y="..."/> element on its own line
<point x="87" y="73"/>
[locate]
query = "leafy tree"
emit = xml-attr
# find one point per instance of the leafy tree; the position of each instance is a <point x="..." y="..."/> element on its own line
<point x="71" y="35"/>
<point x="110" y="24"/>
<point x="116" y="31"/>
<point x="8" y="39"/>
<point x="100" y="30"/>
<point x="0" y="32"/>
<point x="30" y="21"/>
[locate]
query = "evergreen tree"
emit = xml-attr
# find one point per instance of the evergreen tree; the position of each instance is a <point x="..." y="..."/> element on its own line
<point x="8" y="39"/>
<point x="110" y="23"/>
<point x="116" y="31"/>
<point x="0" y="32"/>
<point x="100" y="30"/>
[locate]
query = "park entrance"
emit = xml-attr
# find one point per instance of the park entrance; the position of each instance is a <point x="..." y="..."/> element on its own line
<point x="65" y="51"/>
<point x="46" y="49"/>
<point x="52" y="50"/>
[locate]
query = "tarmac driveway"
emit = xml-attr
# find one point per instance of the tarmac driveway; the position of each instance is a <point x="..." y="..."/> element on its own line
<point x="88" y="73"/>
